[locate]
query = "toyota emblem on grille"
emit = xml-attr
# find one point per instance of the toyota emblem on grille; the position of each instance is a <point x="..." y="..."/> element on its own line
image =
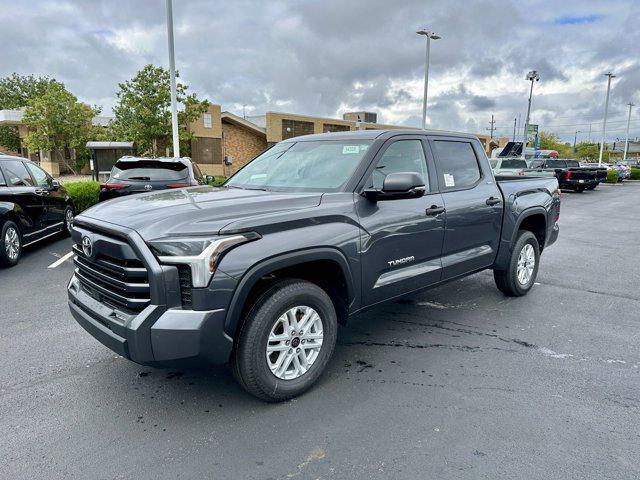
<point x="148" y="187"/>
<point x="87" y="246"/>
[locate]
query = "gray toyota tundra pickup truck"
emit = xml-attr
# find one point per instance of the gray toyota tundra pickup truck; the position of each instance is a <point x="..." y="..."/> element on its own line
<point x="260" y="271"/>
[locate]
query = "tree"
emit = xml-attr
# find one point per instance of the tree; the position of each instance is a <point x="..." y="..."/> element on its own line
<point x="15" y="92"/>
<point x="143" y="111"/>
<point x="59" y="123"/>
<point x="550" y="141"/>
<point x="590" y="151"/>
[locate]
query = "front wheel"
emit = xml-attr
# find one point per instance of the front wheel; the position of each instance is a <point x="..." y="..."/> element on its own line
<point x="522" y="271"/>
<point x="10" y="244"/>
<point x="286" y="341"/>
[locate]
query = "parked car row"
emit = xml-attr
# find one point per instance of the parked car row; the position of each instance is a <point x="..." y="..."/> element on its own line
<point x="571" y="174"/>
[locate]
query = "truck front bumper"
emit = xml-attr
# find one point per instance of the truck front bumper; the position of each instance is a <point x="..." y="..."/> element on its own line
<point x="158" y="335"/>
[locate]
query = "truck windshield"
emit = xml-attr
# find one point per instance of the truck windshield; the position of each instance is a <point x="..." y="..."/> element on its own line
<point x="323" y="165"/>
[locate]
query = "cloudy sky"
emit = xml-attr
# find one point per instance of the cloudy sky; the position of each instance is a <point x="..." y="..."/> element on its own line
<point x="332" y="56"/>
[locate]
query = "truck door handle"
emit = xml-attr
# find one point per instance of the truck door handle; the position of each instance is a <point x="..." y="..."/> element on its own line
<point x="40" y="191"/>
<point x="434" y="210"/>
<point x="493" y="201"/>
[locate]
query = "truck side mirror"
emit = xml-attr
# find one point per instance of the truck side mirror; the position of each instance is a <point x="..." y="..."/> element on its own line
<point x="398" y="185"/>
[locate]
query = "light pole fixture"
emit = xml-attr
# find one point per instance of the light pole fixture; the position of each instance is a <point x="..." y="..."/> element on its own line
<point x="606" y="111"/>
<point x="532" y="76"/>
<point x="430" y="36"/>
<point x="575" y="139"/>
<point x="626" y="142"/>
<point x="172" y="76"/>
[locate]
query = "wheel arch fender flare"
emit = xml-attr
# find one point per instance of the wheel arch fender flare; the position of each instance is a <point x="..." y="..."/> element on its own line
<point x="10" y="211"/>
<point x="507" y="242"/>
<point x="278" y="262"/>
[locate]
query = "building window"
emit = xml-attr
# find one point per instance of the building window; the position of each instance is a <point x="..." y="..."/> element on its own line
<point x="207" y="120"/>
<point x="295" y="128"/>
<point x="333" y="127"/>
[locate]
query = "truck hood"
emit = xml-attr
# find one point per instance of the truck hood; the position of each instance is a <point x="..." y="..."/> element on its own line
<point x="197" y="210"/>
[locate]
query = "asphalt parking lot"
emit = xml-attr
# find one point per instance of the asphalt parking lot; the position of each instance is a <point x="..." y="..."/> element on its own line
<point x="457" y="382"/>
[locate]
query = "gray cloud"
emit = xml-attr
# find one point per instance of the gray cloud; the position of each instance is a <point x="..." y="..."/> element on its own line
<point x="319" y="57"/>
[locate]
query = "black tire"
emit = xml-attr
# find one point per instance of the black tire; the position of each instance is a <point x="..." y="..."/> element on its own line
<point x="591" y="187"/>
<point x="507" y="280"/>
<point x="579" y="189"/>
<point x="67" y="225"/>
<point x="5" y="259"/>
<point x="249" y="361"/>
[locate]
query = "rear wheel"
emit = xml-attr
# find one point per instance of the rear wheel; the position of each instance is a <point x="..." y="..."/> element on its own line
<point x="579" y="189"/>
<point x="522" y="271"/>
<point x="286" y="341"/>
<point x="68" y="219"/>
<point x="10" y="244"/>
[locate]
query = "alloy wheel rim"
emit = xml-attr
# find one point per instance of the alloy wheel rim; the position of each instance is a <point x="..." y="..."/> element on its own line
<point x="12" y="243"/>
<point x="294" y="343"/>
<point x="526" y="264"/>
<point x="69" y="220"/>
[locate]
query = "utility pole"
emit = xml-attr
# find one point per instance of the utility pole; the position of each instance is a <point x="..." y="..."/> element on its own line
<point x="244" y="114"/>
<point x="172" y="76"/>
<point x="626" y="142"/>
<point x="575" y="138"/>
<point x="514" y="129"/>
<point x="533" y="77"/>
<point x="609" y="76"/>
<point x="492" y="128"/>
<point x="589" y="133"/>
<point x="430" y="36"/>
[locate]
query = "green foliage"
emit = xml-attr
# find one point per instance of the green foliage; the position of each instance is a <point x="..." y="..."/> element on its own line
<point x="635" y="174"/>
<point x="550" y="141"/>
<point x="143" y="111"/>
<point x="217" y="181"/>
<point x="83" y="194"/>
<point x="57" y="121"/>
<point x="612" y="176"/>
<point x="590" y="151"/>
<point x="15" y="92"/>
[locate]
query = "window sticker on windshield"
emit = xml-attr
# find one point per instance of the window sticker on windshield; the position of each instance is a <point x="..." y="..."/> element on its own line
<point x="448" y="180"/>
<point x="347" y="149"/>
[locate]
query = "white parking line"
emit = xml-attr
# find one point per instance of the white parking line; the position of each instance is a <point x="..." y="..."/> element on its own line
<point x="61" y="260"/>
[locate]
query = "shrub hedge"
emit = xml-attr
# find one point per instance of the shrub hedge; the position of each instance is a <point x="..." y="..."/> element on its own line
<point x="83" y="194"/>
<point x="635" y="174"/>
<point x="612" y="176"/>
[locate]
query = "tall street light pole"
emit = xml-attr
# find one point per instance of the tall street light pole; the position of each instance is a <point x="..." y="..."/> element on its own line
<point x="609" y="76"/>
<point x="575" y="139"/>
<point x="532" y="76"/>
<point x="626" y="142"/>
<point x="172" y="76"/>
<point x="430" y="36"/>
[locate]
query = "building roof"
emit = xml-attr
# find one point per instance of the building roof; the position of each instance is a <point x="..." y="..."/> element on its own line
<point x="243" y="122"/>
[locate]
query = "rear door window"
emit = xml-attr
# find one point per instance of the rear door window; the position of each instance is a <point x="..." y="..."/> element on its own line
<point x="556" y="164"/>
<point x="514" y="163"/>
<point x="573" y="164"/>
<point x="149" y="170"/>
<point x="17" y="174"/>
<point x="457" y="164"/>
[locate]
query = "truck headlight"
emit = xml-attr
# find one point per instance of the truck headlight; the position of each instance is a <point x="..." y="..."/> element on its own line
<point x="201" y="254"/>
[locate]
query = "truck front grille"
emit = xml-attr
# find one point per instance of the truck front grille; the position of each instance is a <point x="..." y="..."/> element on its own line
<point x="122" y="283"/>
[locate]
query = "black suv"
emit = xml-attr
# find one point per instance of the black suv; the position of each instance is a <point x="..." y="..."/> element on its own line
<point x="138" y="175"/>
<point x="33" y="206"/>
